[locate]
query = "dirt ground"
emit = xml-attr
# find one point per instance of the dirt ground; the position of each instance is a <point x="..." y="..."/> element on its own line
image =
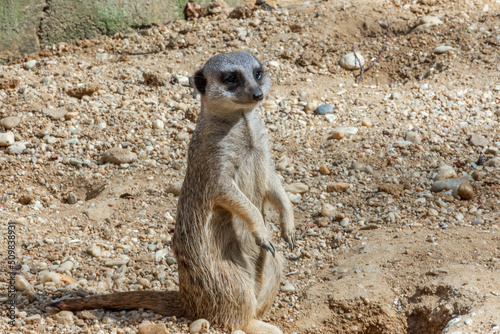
<point x="379" y="250"/>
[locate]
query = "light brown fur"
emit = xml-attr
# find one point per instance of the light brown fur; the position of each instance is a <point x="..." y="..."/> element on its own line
<point x="228" y="270"/>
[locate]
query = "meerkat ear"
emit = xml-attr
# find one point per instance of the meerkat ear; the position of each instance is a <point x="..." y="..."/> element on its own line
<point x="200" y="82"/>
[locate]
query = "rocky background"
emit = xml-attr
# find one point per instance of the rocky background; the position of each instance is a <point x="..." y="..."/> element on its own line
<point x="395" y="180"/>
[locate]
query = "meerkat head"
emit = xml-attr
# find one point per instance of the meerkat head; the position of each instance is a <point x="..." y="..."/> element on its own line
<point x="232" y="82"/>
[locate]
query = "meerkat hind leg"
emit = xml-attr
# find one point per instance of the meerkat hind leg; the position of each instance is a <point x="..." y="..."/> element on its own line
<point x="260" y="327"/>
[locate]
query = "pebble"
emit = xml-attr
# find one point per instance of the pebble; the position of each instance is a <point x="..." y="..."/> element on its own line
<point x="36" y="318"/>
<point x="295" y="198"/>
<point x="81" y="91"/>
<point x="368" y="170"/>
<point x="428" y="19"/>
<point x="478" y="140"/>
<point x="65" y="267"/>
<point x="17" y="148"/>
<point x="288" y="287"/>
<point x="443" y="49"/>
<point x="349" y="61"/>
<point x="465" y="191"/>
<point x="64" y="317"/>
<point x="493" y="162"/>
<point x="357" y="166"/>
<point x="413" y="137"/>
<point x="338" y="186"/>
<point x="30" y="64"/>
<point x="199" y="326"/>
<point x="445" y="172"/>
<point x="150" y="328"/>
<point x="348" y="130"/>
<point x="238" y="332"/>
<point x="158" y="124"/>
<point x="49" y="276"/>
<point x="324" y="109"/>
<point x="94" y="250"/>
<point x="344" y="222"/>
<point x="72" y="199"/>
<point x="324" y="170"/>
<point x="10" y="122"/>
<point x="54" y="113"/>
<point x="119" y="156"/>
<point x="328" y="210"/>
<point x="338" y="134"/>
<point x="22" y="284"/>
<point x="174" y="188"/>
<point x="402" y="144"/>
<point x="395" y="96"/>
<point x="367" y="122"/>
<point x="120" y="261"/>
<point x="297" y="188"/>
<point x="6" y="138"/>
<point x="182" y="136"/>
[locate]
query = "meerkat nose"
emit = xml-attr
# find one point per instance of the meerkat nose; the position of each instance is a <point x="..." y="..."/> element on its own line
<point x="257" y="95"/>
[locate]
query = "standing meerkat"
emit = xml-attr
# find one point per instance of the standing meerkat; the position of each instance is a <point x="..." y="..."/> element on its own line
<point x="229" y="272"/>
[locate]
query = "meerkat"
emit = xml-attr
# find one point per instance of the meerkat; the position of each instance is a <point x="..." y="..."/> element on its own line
<point x="229" y="270"/>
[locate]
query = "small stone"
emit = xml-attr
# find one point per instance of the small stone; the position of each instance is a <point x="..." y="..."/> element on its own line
<point x="10" y="122"/>
<point x="17" y="148"/>
<point x="350" y="62"/>
<point x="402" y="144"/>
<point x="430" y="20"/>
<point x="150" y="328"/>
<point x="72" y="199"/>
<point x="295" y="198"/>
<point x="155" y="78"/>
<point x="120" y="261"/>
<point x="338" y="134"/>
<point x="368" y="170"/>
<point x="199" y="326"/>
<point x="174" y="188"/>
<point x="465" y="191"/>
<point x="64" y="317"/>
<point x="288" y="287"/>
<point x="65" y="267"/>
<point x="338" y="186"/>
<point x="49" y="276"/>
<point x="182" y="136"/>
<point x="25" y="199"/>
<point x="6" y="139"/>
<point x="238" y="332"/>
<point x="324" y="109"/>
<point x="478" y="140"/>
<point x="36" y="318"/>
<point x="81" y="91"/>
<point x="443" y="49"/>
<point x="94" y="250"/>
<point x="158" y="124"/>
<point x="54" y="113"/>
<point x="323" y="170"/>
<point x="468" y="322"/>
<point x="8" y="83"/>
<point x="347" y="130"/>
<point x="445" y="172"/>
<point x="493" y="162"/>
<point x="413" y="137"/>
<point x="395" y="96"/>
<point x="357" y="166"/>
<point x="367" y="122"/>
<point x="182" y="80"/>
<point x="30" y="64"/>
<point x="297" y="188"/>
<point x="119" y="156"/>
<point x="22" y="284"/>
<point x="344" y="222"/>
<point x="328" y="210"/>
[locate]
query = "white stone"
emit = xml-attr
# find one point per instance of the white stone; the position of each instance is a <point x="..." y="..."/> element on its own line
<point x="288" y="287"/>
<point x="17" y="148"/>
<point x="6" y="139"/>
<point x="328" y="210"/>
<point x="30" y="64"/>
<point x="65" y="267"/>
<point x="297" y="188"/>
<point x="443" y="49"/>
<point x="349" y="61"/>
<point x="199" y="326"/>
<point x="158" y="124"/>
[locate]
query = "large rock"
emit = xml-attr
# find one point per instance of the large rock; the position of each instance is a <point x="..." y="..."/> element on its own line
<point x="10" y="122"/>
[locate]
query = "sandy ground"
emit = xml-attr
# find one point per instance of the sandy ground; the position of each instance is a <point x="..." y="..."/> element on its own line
<point x="389" y="254"/>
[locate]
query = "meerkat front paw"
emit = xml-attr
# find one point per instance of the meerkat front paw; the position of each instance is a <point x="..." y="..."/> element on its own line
<point x="266" y="244"/>
<point x="288" y="234"/>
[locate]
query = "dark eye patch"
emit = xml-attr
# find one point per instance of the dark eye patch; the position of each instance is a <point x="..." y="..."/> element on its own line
<point x="230" y="78"/>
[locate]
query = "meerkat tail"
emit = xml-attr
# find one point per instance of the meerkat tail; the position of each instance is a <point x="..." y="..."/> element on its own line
<point x="161" y="302"/>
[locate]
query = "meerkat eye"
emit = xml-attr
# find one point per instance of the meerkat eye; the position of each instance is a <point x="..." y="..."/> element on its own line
<point x="258" y="74"/>
<point x="231" y="78"/>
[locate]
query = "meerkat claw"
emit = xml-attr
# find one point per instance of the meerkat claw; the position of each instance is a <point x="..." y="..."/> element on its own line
<point x="270" y="248"/>
<point x="292" y="243"/>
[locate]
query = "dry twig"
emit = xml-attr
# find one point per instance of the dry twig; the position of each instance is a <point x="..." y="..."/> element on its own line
<point x="362" y="69"/>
